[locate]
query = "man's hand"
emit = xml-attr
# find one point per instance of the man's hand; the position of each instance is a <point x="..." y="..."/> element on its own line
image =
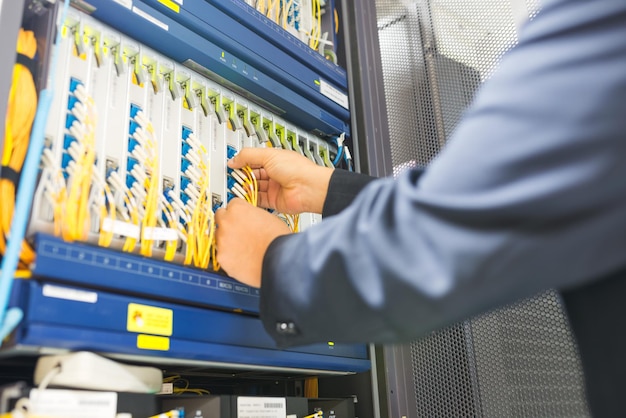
<point x="288" y="182"/>
<point x="243" y="234"/>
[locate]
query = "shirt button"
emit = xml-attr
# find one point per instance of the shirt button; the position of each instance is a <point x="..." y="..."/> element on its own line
<point x="286" y="328"/>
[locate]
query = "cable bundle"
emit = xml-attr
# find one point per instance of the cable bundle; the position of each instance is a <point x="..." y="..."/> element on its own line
<point x="145" y="188"/>
<point x="80" y="198"/>
<point x="197" y="210"/>
<point x="19" y="119"/>
<point x="242" y="183"/>
<point x="75" y="211"/>
<point x="289" y="15"/>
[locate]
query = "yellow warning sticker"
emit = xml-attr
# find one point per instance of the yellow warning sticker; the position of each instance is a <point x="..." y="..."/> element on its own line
<point x="152" y="342"/>
<point x="149" y="319"/>
<point x="171" y="5"/>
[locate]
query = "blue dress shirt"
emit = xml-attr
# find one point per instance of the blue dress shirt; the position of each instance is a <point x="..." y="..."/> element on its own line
<point x="528" y="194"/>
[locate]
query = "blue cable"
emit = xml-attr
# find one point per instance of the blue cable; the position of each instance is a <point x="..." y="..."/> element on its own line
<point x="10" y="318"/>
<point x="339" y="152"/>
<point x="339" y="155"/>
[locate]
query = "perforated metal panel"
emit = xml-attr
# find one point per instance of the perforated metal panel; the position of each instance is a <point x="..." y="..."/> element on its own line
<point x="519" y="361"/>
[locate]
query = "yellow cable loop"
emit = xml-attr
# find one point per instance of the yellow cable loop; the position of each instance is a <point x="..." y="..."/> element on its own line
<point x="76" y="216"/>
<point x="19" y="119"/>
<point x="253" y="186"/>
<point x="151" y="200"/>
<point x="200" y="228"/>
<point x="202" y="209"/>
<point x="172" y="223"/>
<point x="129" y="200"/>
<point x="106" y="237"/>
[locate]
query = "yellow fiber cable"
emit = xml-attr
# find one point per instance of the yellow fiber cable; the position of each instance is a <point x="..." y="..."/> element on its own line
<point x="19" y="119"/>
<point x="170" y="246"/>
<point x="105" y="237"/>
<point x="75" y="216"/>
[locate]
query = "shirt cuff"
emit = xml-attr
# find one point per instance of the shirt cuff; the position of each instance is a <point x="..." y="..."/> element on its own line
<point x="342" y="189"/>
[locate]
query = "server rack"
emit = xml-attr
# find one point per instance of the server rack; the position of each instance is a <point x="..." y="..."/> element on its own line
<point x="76" y="281"/>
<point x="465" y="370"/>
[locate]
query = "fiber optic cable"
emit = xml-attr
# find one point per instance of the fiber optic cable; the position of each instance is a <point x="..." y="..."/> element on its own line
<point x="76" y="208"/>
<point x="10" y="318"/>
<point x="198" y="206"/>
<point x="20" y="115"/>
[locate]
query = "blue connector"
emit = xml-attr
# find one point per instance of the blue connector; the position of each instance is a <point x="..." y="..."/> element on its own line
<point x="67" y="140"/>
<point x="186" y="132"/>
<point x="69" y="120"/>
<point x="130" y="164"/>
<point x="132" y="143"/>
<point x="110" y="170"/>
<point x="230" y="182"/>
<point x="230" y="151"/>
<point x="132" y="127"/>
<point x="130" y="180"/>
<point x="74" y="82"/>
<point x="65" y="160"/>
<point x="71" y="101"/>
<point x="184" y="182"/>
<point x="184" y="164"/>
<point x="134" y="109"/>
<point x="185" y="149"/>
<point x="229" y="196"/>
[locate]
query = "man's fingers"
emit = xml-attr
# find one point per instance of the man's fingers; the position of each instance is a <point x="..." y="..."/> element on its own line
<point x="253" y="157"/>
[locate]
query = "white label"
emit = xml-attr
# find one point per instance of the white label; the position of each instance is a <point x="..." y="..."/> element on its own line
<point x="126" y="3"/>
<point x="150" y="18"/>
<point x="55" y="403"/>
<point x="179" y="2"/>
<point x="124" y="229"/>
<point x="69" y="294"/>
<point x="333" y="94"/>
<point x="160" y="234"/>
<point x="252" y="407"/>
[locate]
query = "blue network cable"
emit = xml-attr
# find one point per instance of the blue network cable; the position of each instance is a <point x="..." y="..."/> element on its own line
<point x="10" y="318"/>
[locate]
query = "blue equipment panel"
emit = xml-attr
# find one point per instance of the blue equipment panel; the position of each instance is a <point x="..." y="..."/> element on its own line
<point x="74" y="318"/>
<point x="97" y="267"/>
<point x="266" y="28"/>
<point x="293" y="94"/>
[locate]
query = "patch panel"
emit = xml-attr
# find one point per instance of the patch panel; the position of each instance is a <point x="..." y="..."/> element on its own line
<point x="184" y="37"/>
<point x="162" y="157"/>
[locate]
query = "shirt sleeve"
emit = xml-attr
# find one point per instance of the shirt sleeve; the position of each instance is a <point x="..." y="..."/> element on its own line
<point x="529" y="194"/>
<point x="343" y="187"/>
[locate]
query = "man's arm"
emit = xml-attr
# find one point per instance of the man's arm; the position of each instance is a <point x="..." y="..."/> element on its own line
<point x="529" y="194"/>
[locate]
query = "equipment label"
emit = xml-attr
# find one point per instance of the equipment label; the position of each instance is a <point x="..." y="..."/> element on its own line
<point x="152" y="342"/>
<point x="333" y="94"/>
<point x="150" y="18"/>
<point x="72" y="403"/>
<point x="126" y="3"/>
<point x="253" y="407"/>
<point x="66" y="293"/>
<point x="149" y="319"/>
<point x="175" y="6"/>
